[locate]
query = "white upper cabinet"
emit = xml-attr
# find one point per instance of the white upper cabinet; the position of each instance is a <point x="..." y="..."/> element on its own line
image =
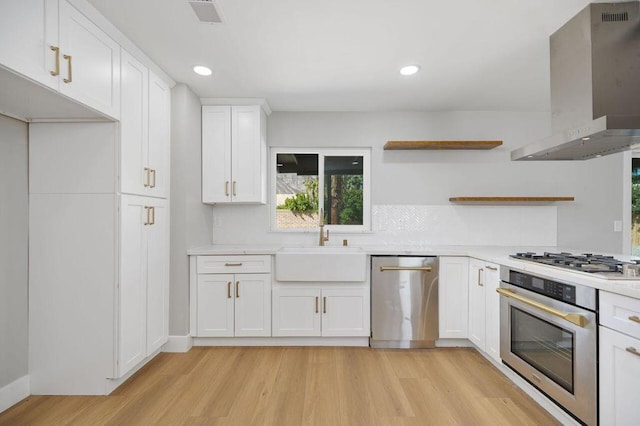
<point x="234" y="154"/>
<point x="145" y="131"/>
<point x="52" y="43"/>
<point x="29" y="31"/>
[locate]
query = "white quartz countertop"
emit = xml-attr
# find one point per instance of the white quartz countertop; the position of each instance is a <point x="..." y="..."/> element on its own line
<point x="494" y="254"/>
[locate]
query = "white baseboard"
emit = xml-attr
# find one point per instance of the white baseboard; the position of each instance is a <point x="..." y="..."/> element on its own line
<point x="178" y="344"/>
<point x="14" y="392"/>
<point x="454" y="343"/>
<point x="280" y="341"/>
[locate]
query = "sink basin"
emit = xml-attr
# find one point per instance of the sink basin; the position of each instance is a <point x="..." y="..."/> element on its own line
<point x="321" y="264"/>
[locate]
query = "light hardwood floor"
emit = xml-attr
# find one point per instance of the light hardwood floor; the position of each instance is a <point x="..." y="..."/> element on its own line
<point x="296" y="386"/>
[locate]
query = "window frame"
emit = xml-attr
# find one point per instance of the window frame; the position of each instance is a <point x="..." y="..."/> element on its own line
<point x="364" y="152"/>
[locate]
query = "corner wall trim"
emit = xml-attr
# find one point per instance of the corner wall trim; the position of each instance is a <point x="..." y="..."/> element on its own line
<point x="178" y="344"/>
<point x="14" y="392"/>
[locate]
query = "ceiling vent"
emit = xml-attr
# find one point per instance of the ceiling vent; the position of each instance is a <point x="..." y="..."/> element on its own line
<point x="206" y="11"/>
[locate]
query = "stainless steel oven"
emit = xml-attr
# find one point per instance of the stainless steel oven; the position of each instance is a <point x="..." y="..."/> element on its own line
<point x="548" y="335"/>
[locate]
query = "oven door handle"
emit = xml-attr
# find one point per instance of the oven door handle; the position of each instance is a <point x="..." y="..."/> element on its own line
<point x="576" y="319"/>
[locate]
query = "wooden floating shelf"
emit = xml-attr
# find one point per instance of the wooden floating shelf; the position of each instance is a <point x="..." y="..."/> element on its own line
<point x="509" y="199"/>
<point x="434" y="145"/>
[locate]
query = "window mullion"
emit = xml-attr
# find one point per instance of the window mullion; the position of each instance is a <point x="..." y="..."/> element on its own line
<point x="320" y="184"/>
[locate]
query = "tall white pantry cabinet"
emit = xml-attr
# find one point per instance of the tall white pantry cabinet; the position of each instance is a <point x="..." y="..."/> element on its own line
<point x="99" y="242"/>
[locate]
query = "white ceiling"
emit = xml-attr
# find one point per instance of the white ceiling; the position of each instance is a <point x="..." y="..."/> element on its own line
<point x="344" y="55"/>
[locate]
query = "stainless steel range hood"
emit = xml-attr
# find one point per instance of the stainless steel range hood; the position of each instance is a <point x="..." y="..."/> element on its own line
<point x="595" y="85"/>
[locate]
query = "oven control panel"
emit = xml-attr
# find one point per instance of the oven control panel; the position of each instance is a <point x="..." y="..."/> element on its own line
<point x="553" y="289"/>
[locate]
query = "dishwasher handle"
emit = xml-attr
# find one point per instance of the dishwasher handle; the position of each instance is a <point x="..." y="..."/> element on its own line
<point x="405" y="268"/>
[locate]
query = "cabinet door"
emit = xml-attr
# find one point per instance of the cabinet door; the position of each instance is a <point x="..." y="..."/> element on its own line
<point x="133" y="293"/>
<point x="253" y="305"/>
<point x="215" y="305"/>
<point x="476" y="303"/>
<point x="28" y="30"/>
<point x="134" y="126"/>
<point x="248" y="152"/>
<point x="345" y="312"/>
<point x="216" y="154"/>
<point x="159" y="135"/>
<point x="157" y="276"/>
<point x="453" y="291"/>
<point x="91" y="68"/>
<point x="296" y="312"/>
<point x="492" y="310"/>
<point x="619" y="377"/>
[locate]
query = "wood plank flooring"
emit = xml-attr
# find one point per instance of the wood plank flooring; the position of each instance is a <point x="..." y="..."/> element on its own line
<point x="299" y="386"/>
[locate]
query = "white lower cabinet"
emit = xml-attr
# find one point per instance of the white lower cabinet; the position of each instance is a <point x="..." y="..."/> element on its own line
<point x="234" y="305"/>
<point x="484" y="307"/>
<point x="619" y="349"/>
<point x="453" y="297"/>
<point x="317" y="311"/>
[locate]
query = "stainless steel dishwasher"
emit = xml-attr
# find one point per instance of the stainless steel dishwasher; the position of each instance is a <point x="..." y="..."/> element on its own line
<point x="404" y="301"/>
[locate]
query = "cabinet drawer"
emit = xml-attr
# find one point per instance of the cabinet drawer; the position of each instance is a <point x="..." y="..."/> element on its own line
<point x="620" y="313"/>
<point x="233" y="264"/>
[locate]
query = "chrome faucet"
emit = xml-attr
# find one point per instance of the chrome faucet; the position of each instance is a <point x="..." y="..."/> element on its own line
<point x="323" y="239"/>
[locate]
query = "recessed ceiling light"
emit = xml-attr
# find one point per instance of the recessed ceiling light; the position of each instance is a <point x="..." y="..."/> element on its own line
<point x="409" y="69"/>
<point x="586" y="139"/>
<point x="202" y="70"/>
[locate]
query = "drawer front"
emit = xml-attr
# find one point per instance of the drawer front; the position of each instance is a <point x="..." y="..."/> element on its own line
<point x="620" y="313"/>
<point x="234" y="264"/>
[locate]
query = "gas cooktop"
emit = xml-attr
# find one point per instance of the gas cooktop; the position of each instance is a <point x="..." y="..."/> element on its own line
<point x="596" y="264"/>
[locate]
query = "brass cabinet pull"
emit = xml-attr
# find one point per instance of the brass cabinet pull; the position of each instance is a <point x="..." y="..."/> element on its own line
<point x="633" y="350"/>
<point x="226" y="188"/>
<point x="234" y="188"/>
<point x="57" y="70"/>
<point x="237" y="288"/>
<point x="634" y="318"/>
<point x="576" y="319"/>
<point x="405" y="268"/>
<point x="233" y="264"/>
<point x="146" y="182"/>
<point x="317" y="304"/>
<point x="480" y="272"/>
<point x="153" y="215"/>
<point x="324" y="305"/>
<point x="148" y="221"/>
<point x="153" y="172"/>
<point x="69" y="78"/>
<point x="229" y="290"/>
<point x="491" y="268"/>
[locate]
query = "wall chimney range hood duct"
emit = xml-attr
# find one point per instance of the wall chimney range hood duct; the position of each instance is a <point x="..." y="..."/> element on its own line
<point x="595" y="85"/>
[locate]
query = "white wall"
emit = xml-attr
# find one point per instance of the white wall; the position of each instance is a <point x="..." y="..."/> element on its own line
<point x="14" y="224"/>
<point x="429" y="178"/>
<point x="190" y="219"/>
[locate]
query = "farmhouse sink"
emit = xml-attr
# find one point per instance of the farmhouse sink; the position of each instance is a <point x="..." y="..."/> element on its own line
<point x="321" y="264"/>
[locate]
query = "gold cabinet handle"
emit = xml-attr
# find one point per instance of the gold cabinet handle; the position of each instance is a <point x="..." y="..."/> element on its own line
<point x="633" y="350"/>
<point x="233" y="264"/>
<point x="491" y="268"/>
<point x="480" y="272"/>
<point x="405" y="268"/>
<point x="153" y="172"/>
<point x="56" y="49"/>
<point x="148" y="221"/>
<point x="317" y="304"/>
<point x="237" y="288"/>
<point x="576" y="319"/>
<point x="69" y="78"/>
<point x="634" y="318"/>
<point x="228" y="289"/>
<point x="153" y="215"/>
<point x="324" y="305"/>
<point x="226" y="188"/>
<point x="234" y="188"/>
<point x="146" y="181"/>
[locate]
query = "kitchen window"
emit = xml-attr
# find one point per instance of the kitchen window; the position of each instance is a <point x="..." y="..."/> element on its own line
<point x="309" y="182"/>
